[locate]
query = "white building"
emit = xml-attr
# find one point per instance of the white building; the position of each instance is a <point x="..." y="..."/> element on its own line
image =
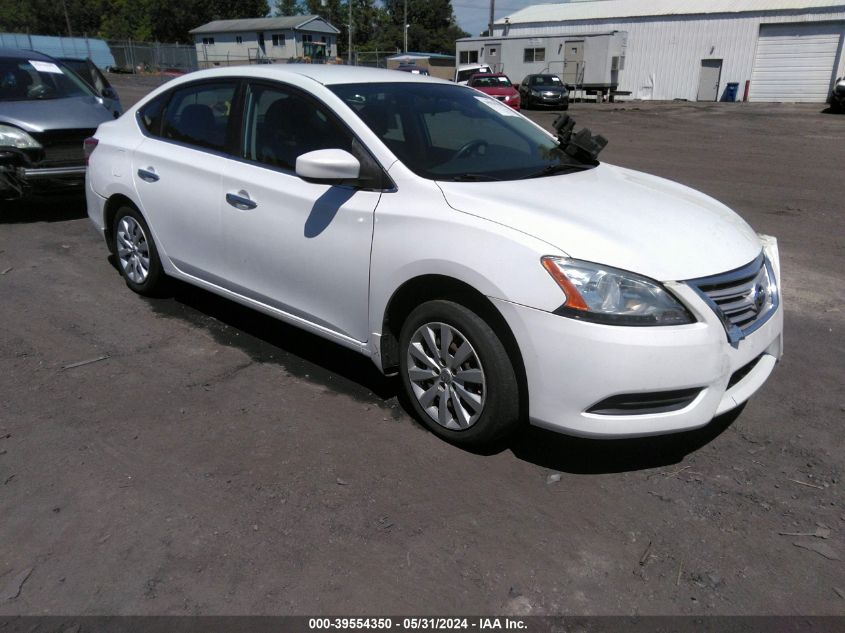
<point x="224" y="42"/>
<point x="779" y="50"/>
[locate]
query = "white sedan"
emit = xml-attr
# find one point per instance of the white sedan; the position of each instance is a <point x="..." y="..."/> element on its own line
<point x="448" y="238"/>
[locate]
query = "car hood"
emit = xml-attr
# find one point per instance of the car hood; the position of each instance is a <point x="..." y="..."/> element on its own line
<point x="39" y="115"/>
<point x="617" y="217"/>
<point x="549" y="88"/>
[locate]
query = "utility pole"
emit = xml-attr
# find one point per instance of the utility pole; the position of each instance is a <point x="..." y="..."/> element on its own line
<point x="492" y="19"/>
<point x="406" y="26"/>
<point x="349" y="50"/>
<point x="67" y="19"/>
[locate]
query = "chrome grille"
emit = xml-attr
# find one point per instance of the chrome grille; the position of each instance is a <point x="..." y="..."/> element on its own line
<point x="743" y="299"/>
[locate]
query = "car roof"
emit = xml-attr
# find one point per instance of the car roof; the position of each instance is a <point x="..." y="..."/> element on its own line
<point x="326" y="74"/>
<point x="19" y="53"/>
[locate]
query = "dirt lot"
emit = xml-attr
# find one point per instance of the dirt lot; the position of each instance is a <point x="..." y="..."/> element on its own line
<point x="218" y="462"/>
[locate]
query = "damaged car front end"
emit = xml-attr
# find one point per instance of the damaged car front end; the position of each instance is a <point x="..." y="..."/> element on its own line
<point x="46" y="113"/>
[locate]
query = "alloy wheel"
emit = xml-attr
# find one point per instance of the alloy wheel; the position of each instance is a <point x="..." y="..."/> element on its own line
<point x="446" y="376"/>
<point x="133" y="250"/>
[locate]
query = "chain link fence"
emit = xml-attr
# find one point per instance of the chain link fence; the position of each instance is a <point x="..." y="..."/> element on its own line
<point x="135" y="57"/>
<point x="373" y="59"/>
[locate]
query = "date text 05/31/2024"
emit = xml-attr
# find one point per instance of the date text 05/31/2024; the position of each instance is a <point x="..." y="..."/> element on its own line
<point x="413" y="624"/>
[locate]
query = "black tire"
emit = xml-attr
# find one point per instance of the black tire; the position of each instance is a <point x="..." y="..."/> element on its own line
<point x="499" y="414"/>
<point x="153" y="284"/>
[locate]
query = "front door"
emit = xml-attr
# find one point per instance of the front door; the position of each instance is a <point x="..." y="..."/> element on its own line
<point x="708" y="81"/>
<point x="260" y="37"/>
<point x="493" y="57"/>
<point x="299" y="247"/>
<point x="573" y="63"/>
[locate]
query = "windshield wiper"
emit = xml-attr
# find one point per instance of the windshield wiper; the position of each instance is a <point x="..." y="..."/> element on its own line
<point x="472" y="178"/>
<point x="559" y="168"/>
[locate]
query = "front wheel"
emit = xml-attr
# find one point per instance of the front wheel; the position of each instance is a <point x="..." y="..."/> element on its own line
<point x="136" y="253"/>
<point x="457" y="374"/>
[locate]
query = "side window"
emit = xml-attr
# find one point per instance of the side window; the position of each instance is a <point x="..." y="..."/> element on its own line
<point x="199" y="114"/>
<point x="150" y="115"/>
<point x="281" y="124"/>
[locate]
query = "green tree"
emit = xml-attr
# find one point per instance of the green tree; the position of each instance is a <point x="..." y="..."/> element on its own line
<point x="288" y="7"/>
<point x="432" y="29"/>
<point x="162" y="20"/>
<point x="128" y="19"/>
<point x="47" y="17"/>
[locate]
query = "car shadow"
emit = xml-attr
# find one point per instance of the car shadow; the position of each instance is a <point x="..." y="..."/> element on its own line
<point x="576" y="455"/>
<point x="325" y="209"/>
<point x="268" y="340"/>
<point x="43" y="209"/>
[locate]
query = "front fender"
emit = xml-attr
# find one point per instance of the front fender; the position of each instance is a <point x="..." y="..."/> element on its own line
<point x="416" y="233"/>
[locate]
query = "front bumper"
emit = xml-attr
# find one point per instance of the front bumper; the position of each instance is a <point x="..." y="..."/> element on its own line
<point x="18" y="181"/>
<point x="572" y="365"/>
<point x="550" y="100"/>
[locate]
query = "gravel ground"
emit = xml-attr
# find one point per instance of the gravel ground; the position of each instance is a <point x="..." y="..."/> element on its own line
<point x="214" y="461"/>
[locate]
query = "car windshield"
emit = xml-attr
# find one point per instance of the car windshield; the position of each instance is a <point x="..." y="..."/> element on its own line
<point x="547" y="80"/>
<point x="444" y="132"/>
<point x="490" y="82"/>
<point x="24" y="80"/>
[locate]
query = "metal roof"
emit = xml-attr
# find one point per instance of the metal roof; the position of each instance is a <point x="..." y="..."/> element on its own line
<point x="260" y="24"/>
<point x="411" y="56"/>
<point x="612" y="9"/>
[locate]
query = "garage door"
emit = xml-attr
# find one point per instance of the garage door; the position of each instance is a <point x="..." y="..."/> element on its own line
<point x="794" y="62"/>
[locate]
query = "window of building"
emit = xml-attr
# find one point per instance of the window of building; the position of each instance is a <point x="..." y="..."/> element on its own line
<point x="199" y="114"/>
<point x="278" y="39"/>
<point x="534" y="55"/>
<point x="468" y="57"/>
<point x="208" y="40"/>
<point x="239" y="39"/>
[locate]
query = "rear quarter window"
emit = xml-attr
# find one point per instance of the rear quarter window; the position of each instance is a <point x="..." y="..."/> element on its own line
<point x="151" y="115"/>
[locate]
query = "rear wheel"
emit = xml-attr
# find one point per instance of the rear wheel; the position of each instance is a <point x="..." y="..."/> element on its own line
<point x="137" y="257"/>
<point x="457" y="374"/>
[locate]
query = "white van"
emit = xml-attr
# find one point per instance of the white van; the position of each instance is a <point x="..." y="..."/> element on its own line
<point x="464" y="72"/>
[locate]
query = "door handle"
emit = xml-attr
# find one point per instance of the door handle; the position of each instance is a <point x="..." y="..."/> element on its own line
<point x="241" y="200"/>
<point x="148" y="174"/>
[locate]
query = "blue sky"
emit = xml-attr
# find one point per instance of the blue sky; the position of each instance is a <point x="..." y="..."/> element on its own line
<point x="473" y="15"/>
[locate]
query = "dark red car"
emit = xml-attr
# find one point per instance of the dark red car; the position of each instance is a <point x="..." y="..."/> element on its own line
<point x="496" y="85"/>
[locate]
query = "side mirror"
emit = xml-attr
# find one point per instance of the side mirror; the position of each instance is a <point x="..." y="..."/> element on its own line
<point x="328" y="165"/>
<point x="109" y="93"/>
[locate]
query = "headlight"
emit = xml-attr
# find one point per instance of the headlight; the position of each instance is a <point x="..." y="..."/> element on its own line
<point x="14" y="137"/>
<point x="607" y="295"/>
<point x="535" y="93"/>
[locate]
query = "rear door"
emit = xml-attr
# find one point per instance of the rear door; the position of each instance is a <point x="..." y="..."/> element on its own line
<point x="177" y="171"/>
